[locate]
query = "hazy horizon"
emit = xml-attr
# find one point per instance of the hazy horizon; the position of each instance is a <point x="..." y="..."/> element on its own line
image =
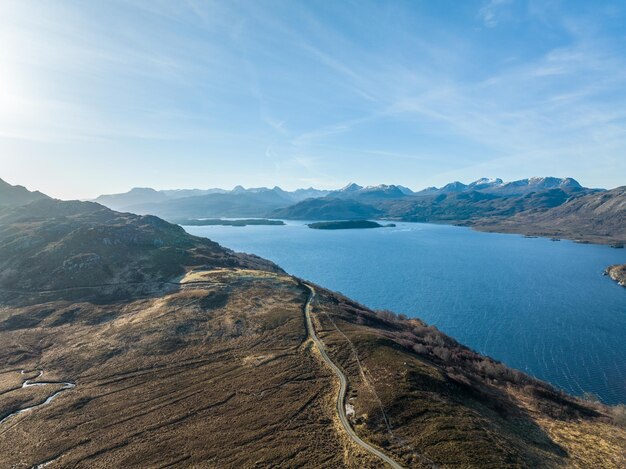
<point x="102" y="97"/>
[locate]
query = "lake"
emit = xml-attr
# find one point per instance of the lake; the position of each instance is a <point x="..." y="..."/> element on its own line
<point x="540" y="306"/>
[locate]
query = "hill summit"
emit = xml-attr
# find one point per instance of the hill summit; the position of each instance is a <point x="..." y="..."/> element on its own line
<point x="17" y="195"/>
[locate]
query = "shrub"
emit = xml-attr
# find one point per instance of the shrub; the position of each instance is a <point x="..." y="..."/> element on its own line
<point x="619" y="415"/>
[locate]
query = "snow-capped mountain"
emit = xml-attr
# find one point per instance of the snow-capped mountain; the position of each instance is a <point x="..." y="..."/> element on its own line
<point x="484" y="183"/>
<point x="350" y="188"/>
<point x="499" y="187"/>
<point x="383" y="191"/>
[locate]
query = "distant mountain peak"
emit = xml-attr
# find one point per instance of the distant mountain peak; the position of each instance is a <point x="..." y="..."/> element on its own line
<point x="136" y="190"/>
<point x="378" y="187"/>
<point x="486" y="182"/>
<point x="571" y="182"/>
<point x="352" y="187"/>
<point x="454" y="187"/>
<point x="547" y="182"/>
<point x="279" y="190"/>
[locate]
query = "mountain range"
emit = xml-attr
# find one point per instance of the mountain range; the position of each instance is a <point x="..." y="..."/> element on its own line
<point x="218" y="201"/>
<point x="140" y="199"/>
<point x="486" y="204"/>
<point x="127" y="342"/>
<point x="497" y="186"/>
<point x="545" y="206"/>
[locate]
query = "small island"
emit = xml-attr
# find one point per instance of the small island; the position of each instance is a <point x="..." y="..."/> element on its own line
<point x="221" y="222"/>
<point x="347" y="225"/>
<point x="617" y="273"/>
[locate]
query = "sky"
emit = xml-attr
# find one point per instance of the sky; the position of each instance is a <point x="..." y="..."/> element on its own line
<point x="99" y="97"/>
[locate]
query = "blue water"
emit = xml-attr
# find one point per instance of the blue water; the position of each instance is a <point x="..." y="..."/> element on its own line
<point x="537" y="305"/>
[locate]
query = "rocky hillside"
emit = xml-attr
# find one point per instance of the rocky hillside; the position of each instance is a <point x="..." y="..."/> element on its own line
<point x="617" y="273"/>
<point x="597" y="217"/>
<point x="64" y="248"/>
<point x="218" y="370"/>
<point x="17" y="195"/>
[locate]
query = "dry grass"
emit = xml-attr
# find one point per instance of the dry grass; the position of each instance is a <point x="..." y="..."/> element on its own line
<point x="428" y="411"/>
<point x="589" y="444"/>
<point x="220" y="374"/>
<point x="172" y="381"/>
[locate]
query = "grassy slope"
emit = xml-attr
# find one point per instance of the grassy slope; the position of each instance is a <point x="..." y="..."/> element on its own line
<point x="215" y="375"/>
<point x="220" y="373"/>
<point x="447" y="405"/>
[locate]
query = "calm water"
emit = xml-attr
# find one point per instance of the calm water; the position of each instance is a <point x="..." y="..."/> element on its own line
<point x="539" y="306"/>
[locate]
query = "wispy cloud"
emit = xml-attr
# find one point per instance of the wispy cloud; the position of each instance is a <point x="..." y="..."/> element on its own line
<point x="279" y="126"/>
<point x="297" y="91"/>
<point x="491" y="12"/>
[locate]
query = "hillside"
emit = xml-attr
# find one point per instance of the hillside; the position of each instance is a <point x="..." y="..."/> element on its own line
<point x="219" y="370"/>
<point x="63" y="247"/>
<point x="232" y="204"/>
<point x="597" y="217"/>
<point x="328" y="208"/>
<point x="17" y="195"/>
<point x="466" y="207"/>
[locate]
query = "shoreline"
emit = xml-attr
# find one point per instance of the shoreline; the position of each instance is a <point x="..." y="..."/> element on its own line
<point x="577" y="238"/>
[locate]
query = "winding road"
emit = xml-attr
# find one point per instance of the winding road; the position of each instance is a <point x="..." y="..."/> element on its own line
<point x="343" y="386"/>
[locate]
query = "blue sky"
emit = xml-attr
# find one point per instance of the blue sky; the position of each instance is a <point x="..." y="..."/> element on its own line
<point x="98" y="97"/>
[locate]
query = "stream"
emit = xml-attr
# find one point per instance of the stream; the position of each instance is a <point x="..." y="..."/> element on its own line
<point x="31" y="382"/>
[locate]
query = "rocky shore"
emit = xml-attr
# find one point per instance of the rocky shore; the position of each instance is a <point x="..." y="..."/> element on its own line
<point x="617" y="273"/>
